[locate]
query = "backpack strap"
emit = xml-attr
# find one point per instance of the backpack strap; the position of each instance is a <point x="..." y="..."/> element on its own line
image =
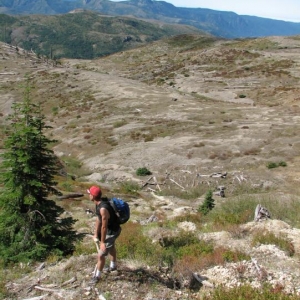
<point x="113" y="224"/>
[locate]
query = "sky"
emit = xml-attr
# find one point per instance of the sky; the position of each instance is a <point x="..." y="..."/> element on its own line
<point x="287" y="10"/>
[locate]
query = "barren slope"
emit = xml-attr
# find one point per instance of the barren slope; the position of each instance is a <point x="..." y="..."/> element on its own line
<point x="188" y="109"/>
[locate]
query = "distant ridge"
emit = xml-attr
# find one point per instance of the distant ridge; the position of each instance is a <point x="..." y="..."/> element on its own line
<point x="218" y="23"/>
<point x="84" y="34"/>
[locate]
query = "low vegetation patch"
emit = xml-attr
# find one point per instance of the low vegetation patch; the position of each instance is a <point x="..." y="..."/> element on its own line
<point x="272" y="165"/>
<point x="247" y="292"/>
<point x="269" y="238"/>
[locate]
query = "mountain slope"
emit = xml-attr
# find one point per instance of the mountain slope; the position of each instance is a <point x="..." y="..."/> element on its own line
<point x="83" y="34"/>
<point x="219" y="23"/>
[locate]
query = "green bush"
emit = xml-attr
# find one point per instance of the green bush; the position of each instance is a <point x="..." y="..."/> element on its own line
<point x="282" y="164"/>
<point x="143" y="172"/>
<point x="233" y="256"/>
<point x="272" y="165"/>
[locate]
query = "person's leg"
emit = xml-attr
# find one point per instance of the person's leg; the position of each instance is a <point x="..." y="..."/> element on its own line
<point x="101" y="261"/>
<point x="111" y="248"/>
<point x="113" y="254"/>
<point x="113" y="258"/>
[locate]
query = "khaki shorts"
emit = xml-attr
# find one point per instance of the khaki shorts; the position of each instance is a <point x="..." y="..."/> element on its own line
<point x="110" y="242"/>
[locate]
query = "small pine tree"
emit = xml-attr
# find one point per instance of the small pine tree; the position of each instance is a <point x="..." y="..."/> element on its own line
<point x="30" y="227"/>
<point x="208" y="204"/>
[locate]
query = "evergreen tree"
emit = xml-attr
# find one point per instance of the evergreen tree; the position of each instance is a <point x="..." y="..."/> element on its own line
<point x="30" y="224"/>
<point x="208" y="204"/>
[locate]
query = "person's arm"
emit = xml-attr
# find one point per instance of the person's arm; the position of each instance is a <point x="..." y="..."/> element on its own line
<point x="97" y="232"/>
<point x="104" y="216"/>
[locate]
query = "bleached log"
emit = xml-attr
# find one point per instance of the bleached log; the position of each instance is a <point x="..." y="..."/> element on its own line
<point x="257" y="267"/>
<point x="154" y="178"/>
<point x="177" y="183"/>
<point x="237" y="177"/>
<point x="72" y="280"/>
<point x="37" y="287"/>
<point x="147" y="182"/>
<point x="219" y="175"/>
<point x="194" y="180"/>
<point x="261" y="213"/>
<point x="38" y="298"/>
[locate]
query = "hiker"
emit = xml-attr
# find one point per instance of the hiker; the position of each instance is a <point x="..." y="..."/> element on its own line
<point x="107" y="229"/>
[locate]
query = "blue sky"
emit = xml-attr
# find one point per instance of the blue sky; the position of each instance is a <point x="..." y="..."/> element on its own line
<point x="288" y="10"/>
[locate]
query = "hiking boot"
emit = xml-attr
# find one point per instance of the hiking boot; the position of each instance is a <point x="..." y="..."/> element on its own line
<point x="94" y="280"/>
<point x="109" y="269"/>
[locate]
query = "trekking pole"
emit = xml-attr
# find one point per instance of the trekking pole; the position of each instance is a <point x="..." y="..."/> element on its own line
<point x="97" y="244"/>
<point x="98" y="250"/>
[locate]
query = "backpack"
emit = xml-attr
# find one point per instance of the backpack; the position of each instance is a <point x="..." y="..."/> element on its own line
<point x="121" y="209"/>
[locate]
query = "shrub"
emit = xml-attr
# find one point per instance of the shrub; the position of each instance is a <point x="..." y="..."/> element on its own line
<point x="234" y="256"/>
<point x="272" y="165"/>
<point x="133" y="244"/>
<point x="143" y="172"/>
<point x="282" y="164"/>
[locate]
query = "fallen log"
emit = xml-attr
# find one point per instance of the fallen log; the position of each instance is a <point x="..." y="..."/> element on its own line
<point x="147" y="182"/>
<point x="38" y="298"/>
<point x="47" y="289"/>
<point x="219" y="175"/>
<point x="154" y="178"/>
<point x="72" y="280"/>
<point x="177" y="183"/>
<point x="70" y="196"/>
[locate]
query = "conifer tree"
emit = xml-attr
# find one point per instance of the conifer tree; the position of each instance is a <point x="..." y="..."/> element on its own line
<point x="30" y="224"/>
<point x="208" y="204"/>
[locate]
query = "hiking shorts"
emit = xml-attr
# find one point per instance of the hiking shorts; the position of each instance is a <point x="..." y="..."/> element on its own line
<point x="110" y="242"/>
